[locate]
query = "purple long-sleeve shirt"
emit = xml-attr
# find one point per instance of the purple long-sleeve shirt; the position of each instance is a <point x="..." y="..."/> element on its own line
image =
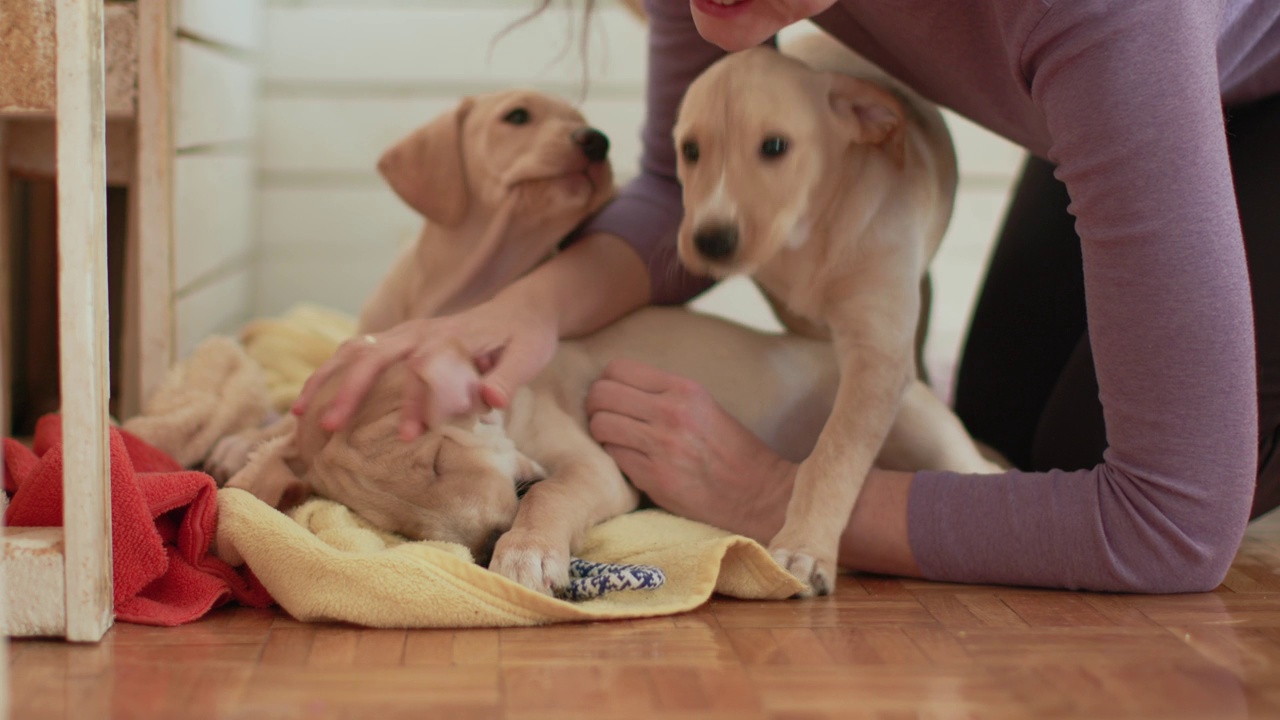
<point x="1126" y="97"/>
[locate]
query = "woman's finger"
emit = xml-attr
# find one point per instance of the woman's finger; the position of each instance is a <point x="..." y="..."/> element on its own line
<point x="314" y="382"/>
<point x="613" y="429"/>
<point x="412" y="406"/>
<point x="642" y="376"/>
<point x="451" y="379"/>
<point x="513" y="367"/>
<point x="615" y="396"/>
<point x="357" y="380"/>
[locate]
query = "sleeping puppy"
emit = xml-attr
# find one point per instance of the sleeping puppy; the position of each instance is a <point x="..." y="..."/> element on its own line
<point x="831" y="185"/>
<point x="460" y="481"/>
<point x="499" y="180"/>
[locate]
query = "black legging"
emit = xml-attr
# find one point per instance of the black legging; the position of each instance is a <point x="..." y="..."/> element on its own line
<point x="1026" y="383"/>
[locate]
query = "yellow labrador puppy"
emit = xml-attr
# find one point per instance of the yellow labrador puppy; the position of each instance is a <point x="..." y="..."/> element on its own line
<point x="460" y="481"/>
<point x="832" y="186"/>
<point x="500" y="180"/>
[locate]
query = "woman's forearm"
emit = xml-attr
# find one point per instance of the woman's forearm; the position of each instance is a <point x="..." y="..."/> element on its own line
<point x="597" y="280"/>
<point x="875" y="539"/>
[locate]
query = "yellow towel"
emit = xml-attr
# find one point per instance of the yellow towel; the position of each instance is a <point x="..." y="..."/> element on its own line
<point x="291" y="346"/>
<point x="324" y="563"/>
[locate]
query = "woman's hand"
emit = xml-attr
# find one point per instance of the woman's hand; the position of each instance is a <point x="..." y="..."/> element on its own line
<point x="676" y="444"/>
<point x="509" y="342"/>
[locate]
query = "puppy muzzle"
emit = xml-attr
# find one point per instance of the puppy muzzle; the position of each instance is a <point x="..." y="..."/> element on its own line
<point x="717" y="241"/>
<point x="593" y="143"/>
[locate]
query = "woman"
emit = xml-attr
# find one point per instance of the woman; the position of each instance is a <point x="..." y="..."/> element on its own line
<point x="1142" y="421"/>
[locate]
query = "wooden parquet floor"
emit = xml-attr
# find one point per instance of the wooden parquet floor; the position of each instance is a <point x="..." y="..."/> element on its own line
<point x="879" y="648"/>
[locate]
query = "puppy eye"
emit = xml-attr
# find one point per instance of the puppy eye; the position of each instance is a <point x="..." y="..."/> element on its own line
<point x="519" y="116"/>
<point x="690" y="151"/>
<point x="773" y="147"/>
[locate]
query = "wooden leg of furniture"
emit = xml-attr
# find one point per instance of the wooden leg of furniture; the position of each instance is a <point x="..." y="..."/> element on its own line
<point x="149" y="331"/>
<point x="82" y="297"/>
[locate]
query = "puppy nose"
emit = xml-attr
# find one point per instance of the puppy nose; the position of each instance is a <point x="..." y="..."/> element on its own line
<point x="594" y="144"/>
<point x="716" y="242"/>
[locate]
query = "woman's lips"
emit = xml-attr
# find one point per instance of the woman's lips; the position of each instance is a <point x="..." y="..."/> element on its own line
<point x="721" y="9"/>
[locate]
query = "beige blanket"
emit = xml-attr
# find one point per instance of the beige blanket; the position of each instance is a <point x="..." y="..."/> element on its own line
<point x="323" y="563"/>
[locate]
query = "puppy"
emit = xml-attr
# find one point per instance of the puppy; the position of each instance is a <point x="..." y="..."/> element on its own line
<point x="831" y="185"/>
<point x="500" y="180"/>
<point x="461" y="481"/>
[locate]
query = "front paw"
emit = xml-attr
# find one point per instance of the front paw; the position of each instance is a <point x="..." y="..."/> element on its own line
<point x="532" y="561"/>
<point x="816" y="569"/>
<point x="227" y="457"/>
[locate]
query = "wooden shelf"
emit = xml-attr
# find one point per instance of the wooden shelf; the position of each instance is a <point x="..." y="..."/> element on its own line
<point x="34" y="567"/>
<point x="27" y="76"/>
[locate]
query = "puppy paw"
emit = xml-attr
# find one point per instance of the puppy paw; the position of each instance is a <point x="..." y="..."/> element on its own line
<point x="818" y="574"/>
<point x="531" y="561"/>
<point x="227" y="457"/>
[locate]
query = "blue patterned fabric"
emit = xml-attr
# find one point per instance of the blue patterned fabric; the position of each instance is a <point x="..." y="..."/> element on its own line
<point x="588" y="580"/>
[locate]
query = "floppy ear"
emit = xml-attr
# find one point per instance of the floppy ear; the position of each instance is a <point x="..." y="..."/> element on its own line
<point x="426" y="168"/>
<point x="873" y="115"/>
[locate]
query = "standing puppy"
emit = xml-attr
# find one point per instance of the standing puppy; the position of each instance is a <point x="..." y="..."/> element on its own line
<point x="832" y="186"/>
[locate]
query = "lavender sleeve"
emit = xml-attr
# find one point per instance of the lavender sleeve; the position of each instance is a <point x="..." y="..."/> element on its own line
<point x="1131" y="98"/>
<point x="647" y="211"/>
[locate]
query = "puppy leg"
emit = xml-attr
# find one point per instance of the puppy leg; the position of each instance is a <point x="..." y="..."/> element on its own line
<point x="270" y="478"/>
<point x="230" y="454"/>
<point x="583" y="488"/>
<point x="927" y="435"/>
<point x="873" y="334"/>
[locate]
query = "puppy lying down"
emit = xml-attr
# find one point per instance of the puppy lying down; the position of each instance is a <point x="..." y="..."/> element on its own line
<point x="460" y="482"/>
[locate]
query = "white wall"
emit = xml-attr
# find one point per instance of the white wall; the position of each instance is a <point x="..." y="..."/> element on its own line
<point x="215" y="81"/>
<point x="343" y="79"/>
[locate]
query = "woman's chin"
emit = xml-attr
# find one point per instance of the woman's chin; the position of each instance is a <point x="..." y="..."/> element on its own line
<point x="740" y="33"/>
<point x="751" y="22"/>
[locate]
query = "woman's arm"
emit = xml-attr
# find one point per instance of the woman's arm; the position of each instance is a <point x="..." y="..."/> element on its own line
<point x="1131" y="98"/>
<point x="647" y="212"/>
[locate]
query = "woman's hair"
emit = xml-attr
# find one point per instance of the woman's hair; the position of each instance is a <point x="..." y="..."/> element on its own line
<point x="588" y="7"/>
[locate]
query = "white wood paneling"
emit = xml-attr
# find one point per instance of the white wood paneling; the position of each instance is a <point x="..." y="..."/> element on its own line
<point x="213" y="213"/>
<point x="216" y="94"/>
<point x="371" y="218"/>
<point x="333" y="277"/>
<point x="446" y="43"/>
<point x="237" y="23"/>
<point x="346" y="135"/>
<point x="220" y="306"/>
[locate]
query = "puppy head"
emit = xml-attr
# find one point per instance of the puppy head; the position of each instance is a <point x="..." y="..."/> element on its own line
<point x="459" y="490"/>
<point x="457" y="482"/>
<point x="492" y="147"/>
<point x="454" y="484"/>
<point x="761" y="139"/>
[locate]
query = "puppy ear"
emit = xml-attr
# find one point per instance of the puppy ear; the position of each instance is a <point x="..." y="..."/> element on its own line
<point x="874" y="115"/>
<point x="426" y="168"/>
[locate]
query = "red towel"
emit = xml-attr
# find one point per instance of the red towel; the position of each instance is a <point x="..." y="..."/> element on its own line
<point x="163" y="519"/>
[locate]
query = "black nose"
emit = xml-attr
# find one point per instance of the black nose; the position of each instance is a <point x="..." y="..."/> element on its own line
<point x="594" y="144"/>
<point x="716" y="242"/>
